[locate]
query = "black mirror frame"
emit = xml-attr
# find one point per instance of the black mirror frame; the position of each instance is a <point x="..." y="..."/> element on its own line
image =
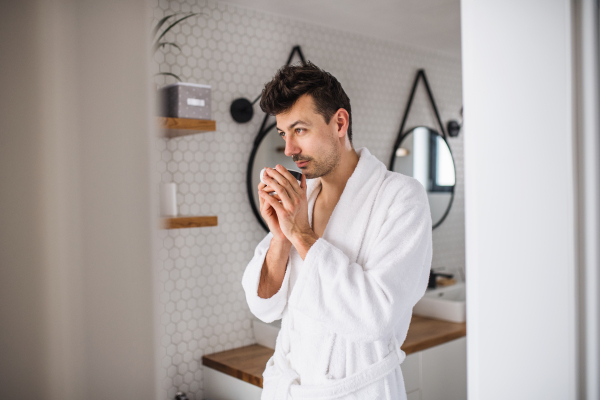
<point x="259" y="138"/>
<point x="262" y="132"/>
<point x="393" y="158"/>
<point x="402" y="133"/>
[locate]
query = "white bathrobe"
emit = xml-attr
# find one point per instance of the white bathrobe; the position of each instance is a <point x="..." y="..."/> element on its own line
<point x="346" y="307"/>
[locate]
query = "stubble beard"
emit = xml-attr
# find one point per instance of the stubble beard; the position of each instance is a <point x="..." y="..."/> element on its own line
<point x="326" y="164"/>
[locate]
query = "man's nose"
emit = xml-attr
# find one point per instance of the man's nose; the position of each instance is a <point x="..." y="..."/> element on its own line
<point x="291" y="148"/>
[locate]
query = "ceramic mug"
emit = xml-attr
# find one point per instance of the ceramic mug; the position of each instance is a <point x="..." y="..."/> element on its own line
<point x="296" y="174"/>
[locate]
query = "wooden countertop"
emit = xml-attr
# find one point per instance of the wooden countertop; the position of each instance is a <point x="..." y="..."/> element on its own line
<point x="248" y="363"/>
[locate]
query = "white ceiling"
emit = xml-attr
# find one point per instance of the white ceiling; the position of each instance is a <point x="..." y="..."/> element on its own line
<point x="433" y="24"/>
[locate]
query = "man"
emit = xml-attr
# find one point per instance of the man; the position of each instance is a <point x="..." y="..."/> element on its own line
<point x="347" y="256"/>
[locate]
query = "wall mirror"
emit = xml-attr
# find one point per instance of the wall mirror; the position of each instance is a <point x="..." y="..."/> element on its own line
<point x="425" y="155"/>
<point x="268" y="151"/>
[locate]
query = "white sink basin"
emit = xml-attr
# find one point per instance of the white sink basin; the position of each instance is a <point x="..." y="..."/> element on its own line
<point x="266" y="334"/>
<point x="446" y="303"/>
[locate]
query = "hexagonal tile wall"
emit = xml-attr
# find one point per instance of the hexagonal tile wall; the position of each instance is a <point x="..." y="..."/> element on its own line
<point x="202" y="306"/>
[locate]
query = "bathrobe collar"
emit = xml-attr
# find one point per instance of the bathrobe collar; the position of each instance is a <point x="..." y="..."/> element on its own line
<point x="348" y="222"/>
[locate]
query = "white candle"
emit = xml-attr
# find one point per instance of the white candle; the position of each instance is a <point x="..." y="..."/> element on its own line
<point x="168" y="199"/>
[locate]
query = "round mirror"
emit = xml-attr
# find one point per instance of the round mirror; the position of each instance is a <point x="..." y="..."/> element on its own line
<point x="425" y="155"/>
<point x="268" y="151"/>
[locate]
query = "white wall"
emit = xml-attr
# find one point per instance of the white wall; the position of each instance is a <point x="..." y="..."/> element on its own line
<point x="519" y="199"/>
<point x="76" y="218"/>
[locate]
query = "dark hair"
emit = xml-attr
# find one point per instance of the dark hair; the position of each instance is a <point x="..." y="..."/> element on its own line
<point x="292" y="81"/>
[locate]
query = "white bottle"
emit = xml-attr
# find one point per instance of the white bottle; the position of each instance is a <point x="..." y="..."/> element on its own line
<point x="168" y="199"/>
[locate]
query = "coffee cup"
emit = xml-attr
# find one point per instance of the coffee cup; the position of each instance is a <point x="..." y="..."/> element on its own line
<point x="295" y="174"/>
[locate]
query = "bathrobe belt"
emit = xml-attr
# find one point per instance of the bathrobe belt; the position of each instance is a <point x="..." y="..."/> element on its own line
<point x="289" y="379"/>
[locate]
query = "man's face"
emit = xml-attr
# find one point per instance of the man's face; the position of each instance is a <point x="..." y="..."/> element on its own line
<point x="308" y="138"/>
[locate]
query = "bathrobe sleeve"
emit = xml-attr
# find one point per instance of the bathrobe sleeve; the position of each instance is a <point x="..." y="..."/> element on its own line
<point x="364" y="303"/>
<point x="271" y="309"/>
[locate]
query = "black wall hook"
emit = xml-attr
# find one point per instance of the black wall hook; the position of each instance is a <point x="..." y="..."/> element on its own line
<point x="453" y="126"/>
<point x="242" y="110"/>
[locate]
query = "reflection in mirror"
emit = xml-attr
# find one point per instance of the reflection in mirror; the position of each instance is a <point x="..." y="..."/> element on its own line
<point x="424" y="154"/>
<point x="270" y="152"/>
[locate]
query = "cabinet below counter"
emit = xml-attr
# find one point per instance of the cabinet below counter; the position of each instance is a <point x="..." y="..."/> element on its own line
<point x="248" y="363"/>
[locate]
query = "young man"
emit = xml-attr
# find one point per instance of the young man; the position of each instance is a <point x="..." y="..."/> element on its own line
<point x="347" y="256"/>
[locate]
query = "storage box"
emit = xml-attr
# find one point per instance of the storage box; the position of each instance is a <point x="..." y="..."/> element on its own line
<point x="185" y="100"/>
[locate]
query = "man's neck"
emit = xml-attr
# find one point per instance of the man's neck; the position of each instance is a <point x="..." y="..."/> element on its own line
<point x="334" y="183"/>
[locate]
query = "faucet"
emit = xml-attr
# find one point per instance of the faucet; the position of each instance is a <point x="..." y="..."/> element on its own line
<point x="433" y="278"/>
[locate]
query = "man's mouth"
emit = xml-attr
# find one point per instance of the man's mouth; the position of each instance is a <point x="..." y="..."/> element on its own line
<point x="301" y="164"/>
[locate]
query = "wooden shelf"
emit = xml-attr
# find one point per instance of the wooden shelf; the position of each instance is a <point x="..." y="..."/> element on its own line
<point x="175" y="127"/>
<point x="188" y="222"/>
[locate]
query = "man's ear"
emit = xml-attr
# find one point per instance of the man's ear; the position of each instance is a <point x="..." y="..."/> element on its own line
<point x="342" y="120"/>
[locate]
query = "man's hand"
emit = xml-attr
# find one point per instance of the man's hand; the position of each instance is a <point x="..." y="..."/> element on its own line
<point x="292" y="212"/>
<point x="269" y="214"/>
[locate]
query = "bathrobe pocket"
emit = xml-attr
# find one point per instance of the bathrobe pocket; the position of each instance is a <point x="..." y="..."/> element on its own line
<point x="311" y="348"/>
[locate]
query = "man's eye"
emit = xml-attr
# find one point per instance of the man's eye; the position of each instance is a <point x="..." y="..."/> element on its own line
<point x="281" y="133"/>
<point x="299" y="129"/>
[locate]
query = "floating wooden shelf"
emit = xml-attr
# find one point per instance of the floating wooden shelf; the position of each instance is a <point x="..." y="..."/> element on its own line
<point x="188" y="222"/>
<point x="175" y="127"/>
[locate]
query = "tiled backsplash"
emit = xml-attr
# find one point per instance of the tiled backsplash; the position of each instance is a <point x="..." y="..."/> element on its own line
<point x="236" y="51"/>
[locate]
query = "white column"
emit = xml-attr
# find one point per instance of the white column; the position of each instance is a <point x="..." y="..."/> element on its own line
<point x="520" y="200"/>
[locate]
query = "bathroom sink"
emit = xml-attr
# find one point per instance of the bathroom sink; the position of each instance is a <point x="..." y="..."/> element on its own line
<point x="266" y="334"/>
<point x="446" y="303"/>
